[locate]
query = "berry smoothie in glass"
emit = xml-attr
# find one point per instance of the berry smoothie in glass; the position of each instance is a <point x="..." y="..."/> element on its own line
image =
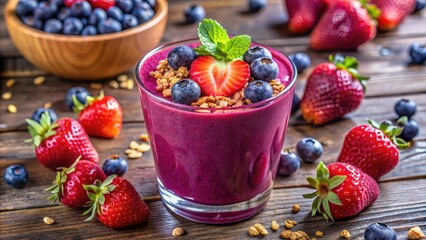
<point x="216" y="111"/>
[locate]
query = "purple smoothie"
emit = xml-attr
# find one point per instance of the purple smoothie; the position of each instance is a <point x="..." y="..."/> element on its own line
<point x="222" y="157"/>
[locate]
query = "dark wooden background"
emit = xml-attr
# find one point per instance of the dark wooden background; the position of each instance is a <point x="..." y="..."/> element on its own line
<point x="402" y="203"/>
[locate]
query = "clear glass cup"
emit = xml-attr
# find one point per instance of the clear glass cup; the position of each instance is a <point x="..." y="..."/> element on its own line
<point x="215" y="166"/>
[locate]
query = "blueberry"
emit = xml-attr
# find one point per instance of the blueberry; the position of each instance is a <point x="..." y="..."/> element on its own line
<point x="417" y="53"/>
<point x="109" y="25"/>
<point x="25" y="7"/>
<point x="53" y="25"/>
<point x="379" y="231"/>
<point x="81" y="9"/>
<point x="33" y="22"/>
<point x="405" y="107"/>
<point x="89" y="31"/>
<point x="256" y="52"/>
<point x="115" y="165"/>
<point x="142" y="14"/>
<point x="301" y="61"/>
<point x="115" y="13"/>
<point x="420" y="4"/>
<point x="289" y="163"/>
<point x="125" y="5"/>
<point x="410" y="130"/>
<point x="45" y="10"/>
<point x="309" y="150"/>
<point x="141" y="4"/>
<point x="152" y="3"/>
<point x="80" y="93"/>
<point x="181" y="56"/>
<point x="39" y="111"/>
<point x="258" y="90"/>
<point x="84" y="21"/>
<point x="185" y="91"/>
<point x="296" y="104"/>
<point x="64" y="13"/>
<point x="97" y="16"/>
<point x="58" y="3"/>
<point x="256" y="5"/>
<point x="194" y="13"/>
<point x="129" y="21"/>
<point x="72" y="26"/>
<point x="264" y="68"/>
<point x="15" y="176"/>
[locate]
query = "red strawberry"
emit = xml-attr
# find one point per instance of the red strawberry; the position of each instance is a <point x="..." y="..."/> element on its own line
<point x="103" y="4"/>
<point x="373" y="149"/>
<point x="304" y="14"/>
<point x="342" y="191"/>
<point x="218" y="78"/>
<point x="116" y="203"/>
<point x="393" y="12"/>
<point x="59" y="144"/>
<point x="332" y="90"/>
<point x="68" y="185"/>
<point x="101" y="116"/>
<point x="345" y="25"/>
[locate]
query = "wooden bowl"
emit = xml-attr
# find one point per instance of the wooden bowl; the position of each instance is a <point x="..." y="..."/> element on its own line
<point x="86" y="57"/>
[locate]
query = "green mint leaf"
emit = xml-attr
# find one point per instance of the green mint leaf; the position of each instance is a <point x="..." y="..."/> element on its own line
<point x="237" y="46"/>
<point x="211" y="33"/>
<point x="201" y="51"/>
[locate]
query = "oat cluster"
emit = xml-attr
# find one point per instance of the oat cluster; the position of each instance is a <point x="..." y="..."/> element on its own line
<point x="166" y="76"/>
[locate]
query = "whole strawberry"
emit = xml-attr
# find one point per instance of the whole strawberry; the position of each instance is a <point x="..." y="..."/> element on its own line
<point x="342" y="191"/>
<point x="345" y="25"/>
<point x="373" y="148"/>
<point x="116" y="203"/>
<point x="68" y="185"/>
<point x="332" y="90"/>
<point x="393" y="12"/>
<point x="101" y="116"/>
<point x="304" y="14"/>
<point x="58" y="144"/>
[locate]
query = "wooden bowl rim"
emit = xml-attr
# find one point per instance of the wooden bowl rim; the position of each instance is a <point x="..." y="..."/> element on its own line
<point x="9" y="14"/>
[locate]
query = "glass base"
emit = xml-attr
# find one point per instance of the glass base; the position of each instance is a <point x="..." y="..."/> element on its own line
<point x="213" y="214"/>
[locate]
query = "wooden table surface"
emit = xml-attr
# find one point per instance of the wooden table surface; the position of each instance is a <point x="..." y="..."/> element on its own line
<point x="402" y="202"/>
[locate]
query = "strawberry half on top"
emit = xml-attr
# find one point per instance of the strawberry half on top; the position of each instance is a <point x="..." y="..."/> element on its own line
<point x="342" y="190"/>
<point x="218" y="70"/>
<point x="58" y="144"/>
<point x="373" y="148"/>
<point x="101" y="116"/>
<point x="68" y="185"/>
<point x="333" y="89"/>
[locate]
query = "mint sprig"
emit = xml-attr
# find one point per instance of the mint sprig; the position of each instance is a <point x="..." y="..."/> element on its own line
<point x="215" y="42"/>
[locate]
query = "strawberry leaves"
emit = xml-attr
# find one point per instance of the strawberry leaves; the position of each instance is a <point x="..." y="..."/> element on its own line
<point x="42" y="130"/>
<point x="392" y="132"/>
<point x="323" y="194"/>
<point x="96" y="194"/>
<point x="215" y="42"/>
<point x="349" y="64"/>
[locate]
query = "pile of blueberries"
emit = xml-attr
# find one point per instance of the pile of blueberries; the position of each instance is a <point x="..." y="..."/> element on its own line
<point x="84" y="17"/>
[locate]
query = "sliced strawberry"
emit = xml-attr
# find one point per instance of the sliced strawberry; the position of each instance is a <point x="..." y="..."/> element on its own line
<point x="218" y="78"/>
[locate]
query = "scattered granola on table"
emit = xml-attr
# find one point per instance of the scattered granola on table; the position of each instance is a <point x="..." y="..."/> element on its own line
<point x="345" y="234"/>
<point x="415" y="233"/>
<point x="296" y="208"/>
<point x="178" y="232"/>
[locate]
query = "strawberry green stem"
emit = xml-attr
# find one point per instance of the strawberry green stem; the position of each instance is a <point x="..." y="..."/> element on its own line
<point x="392" y="132"/>
<point x="349" y="64"/>
<point x="372" y="9"/>
<point x="42" y="130"/>
<point x="96" y="194"/>
<point x="79" y="106"/>
<point x="324" y="195"/>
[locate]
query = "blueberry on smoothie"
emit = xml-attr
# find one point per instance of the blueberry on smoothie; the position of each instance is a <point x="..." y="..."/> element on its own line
<point x="301" y="61"/>
<point x="256" y="52"/>
<point x="185" y="91"/>
<point x="115" y="165"/>
<point x="53" y="25"/>
<point x="110" y="25"/>
<point x="181" y="56"/>
<point x="194" y="13"/>
<point x="289" y="163"/>
<point x="309" y="150"/>
<point x="80" y="93"/>
<point x="115" y="13"/>
<point x="81" y="9"/>
<point x="258" y="91"/>
<point x="379" y="231"/>
<point x="125" y="6"/>
<point x="89" y="31"/>
<point x="129" y="21"/>
<point x="72" y="26"/>
<point x="15" y="176"/>
<point x="264" y="68"/>
<point x="97" y="16"/>
<point x="39" y="111"/>
<point x="405" y="107"/>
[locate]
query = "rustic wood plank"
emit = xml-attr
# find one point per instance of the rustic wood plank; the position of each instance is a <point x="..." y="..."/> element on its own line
<point x="402" y="205"/>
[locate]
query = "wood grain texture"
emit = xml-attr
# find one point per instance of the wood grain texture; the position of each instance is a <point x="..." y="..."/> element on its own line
<point x="393" y="207"/>
<point x="86" y="58"/>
